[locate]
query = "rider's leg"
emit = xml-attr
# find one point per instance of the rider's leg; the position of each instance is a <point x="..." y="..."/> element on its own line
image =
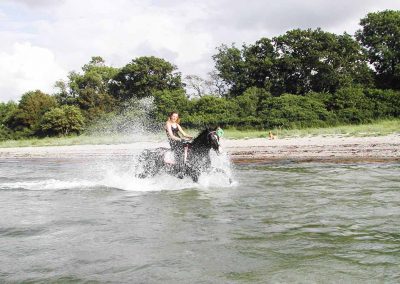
<point x="178" y="151"/>
<point x="181" y="161"/>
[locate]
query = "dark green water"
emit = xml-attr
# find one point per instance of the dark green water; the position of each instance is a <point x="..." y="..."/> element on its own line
<point x="76" y="221"/>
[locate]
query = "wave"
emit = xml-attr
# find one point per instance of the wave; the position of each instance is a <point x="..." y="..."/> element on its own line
<point x="48" y="184"/>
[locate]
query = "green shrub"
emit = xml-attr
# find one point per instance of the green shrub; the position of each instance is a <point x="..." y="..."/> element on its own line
<point x="294" y="111"/>
<point x="351" y="106"/>
<point x="62" y="120"/>
<point x="210" y="110"/>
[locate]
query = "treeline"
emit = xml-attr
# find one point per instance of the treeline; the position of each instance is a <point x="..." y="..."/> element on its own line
<point x="299" y="79"/>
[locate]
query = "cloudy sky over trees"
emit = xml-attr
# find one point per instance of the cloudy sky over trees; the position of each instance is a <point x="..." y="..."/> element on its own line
<point x="42" y="40"/>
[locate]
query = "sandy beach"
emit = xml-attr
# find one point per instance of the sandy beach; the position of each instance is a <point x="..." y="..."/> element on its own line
<point x="319" y="148"/>
<point x="302" y="149"/>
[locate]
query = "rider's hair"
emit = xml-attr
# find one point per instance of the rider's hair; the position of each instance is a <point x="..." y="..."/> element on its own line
<point x="172" y="113"/>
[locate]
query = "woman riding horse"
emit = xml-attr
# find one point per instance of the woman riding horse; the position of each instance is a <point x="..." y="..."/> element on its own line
<point x="172" y="128"/>
<point x="152" y="161"/>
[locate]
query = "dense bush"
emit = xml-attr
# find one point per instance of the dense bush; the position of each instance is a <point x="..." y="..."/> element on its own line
<point x="351" y="106"/>
<point x="168" y="101"/>
<point x="294" y="111"/>
<point x="209" y="110"/>
<point x="62" y="120"/>
<point x="384" y="103"/>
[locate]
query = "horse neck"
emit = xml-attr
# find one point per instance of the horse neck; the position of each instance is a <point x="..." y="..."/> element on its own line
<point x="200" y="143"/>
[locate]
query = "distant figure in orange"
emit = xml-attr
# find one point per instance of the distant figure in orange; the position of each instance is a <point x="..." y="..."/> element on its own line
<point x="271" y="136"/>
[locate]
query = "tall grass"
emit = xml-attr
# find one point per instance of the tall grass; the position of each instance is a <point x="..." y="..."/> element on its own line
<point x="377" y="128"/>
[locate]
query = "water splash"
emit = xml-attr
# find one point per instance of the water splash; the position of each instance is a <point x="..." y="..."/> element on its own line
<point x="134" y="121"/>
<point x="107" y="173"/>
<point x="123" y="177"/>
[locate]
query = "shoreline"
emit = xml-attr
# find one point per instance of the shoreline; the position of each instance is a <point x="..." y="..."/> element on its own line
<point x="333" y="148"/>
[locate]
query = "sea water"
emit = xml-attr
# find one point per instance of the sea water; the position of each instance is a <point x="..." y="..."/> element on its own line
<point x="88" y="219"/>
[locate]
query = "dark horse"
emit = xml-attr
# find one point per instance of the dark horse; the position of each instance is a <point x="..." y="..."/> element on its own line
<point x="154" y="161"/>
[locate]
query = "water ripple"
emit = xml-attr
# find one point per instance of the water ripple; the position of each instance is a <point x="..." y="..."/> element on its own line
<point x="281" y="223"/>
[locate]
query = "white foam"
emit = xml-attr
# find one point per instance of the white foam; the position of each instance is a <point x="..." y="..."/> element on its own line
<point x="128" y="181"/>
<point x="49" y="184"/>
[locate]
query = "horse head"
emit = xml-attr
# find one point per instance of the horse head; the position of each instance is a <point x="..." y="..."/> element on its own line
<point x="207" y="139"/>
<point x="213" y="140"/>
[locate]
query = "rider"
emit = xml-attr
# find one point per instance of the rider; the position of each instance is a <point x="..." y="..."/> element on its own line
<point x="173" y="129"/>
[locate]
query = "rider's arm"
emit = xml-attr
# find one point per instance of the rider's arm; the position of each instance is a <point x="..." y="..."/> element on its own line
<point x="170" y="134"/>
<point x="183" y="132"/>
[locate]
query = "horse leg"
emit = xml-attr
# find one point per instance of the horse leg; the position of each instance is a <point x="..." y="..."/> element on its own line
<point x="194" y="174"/>
<point x="180" y="170"/>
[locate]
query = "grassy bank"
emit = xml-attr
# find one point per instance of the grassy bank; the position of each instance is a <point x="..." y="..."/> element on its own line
<point x="378" y="128"/>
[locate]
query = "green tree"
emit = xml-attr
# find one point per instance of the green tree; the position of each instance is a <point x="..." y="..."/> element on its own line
<point x="230" y="65"/>
<point x="167" y="101"/>
<point x="248" y="67"/>
<point x="89" y="91"/>
<point x="260" y="59"/>
<point x="62" y="120"/>
<point x="144" y="76"/>
<point x="27" y="116"/>
<point x="380" y="35"/>
<point x="297" y="62"/>
<point x="314" y="60"/>
<point x="63" y="95"/>
<point x="6" y="110"/>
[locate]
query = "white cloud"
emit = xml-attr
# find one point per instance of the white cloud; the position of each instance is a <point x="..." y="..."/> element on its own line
<point x="27" y="68"/>
<point x="102" y="28"/>
<point x="67" y="33"/>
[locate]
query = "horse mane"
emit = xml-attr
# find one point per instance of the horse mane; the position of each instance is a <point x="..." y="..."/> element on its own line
<point x="201" y="139"/>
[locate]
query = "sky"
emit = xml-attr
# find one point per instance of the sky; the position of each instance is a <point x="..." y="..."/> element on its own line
<point x="41" y="41"/>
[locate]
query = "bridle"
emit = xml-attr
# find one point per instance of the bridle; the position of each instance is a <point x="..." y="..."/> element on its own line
<point x="214" y="133"/>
